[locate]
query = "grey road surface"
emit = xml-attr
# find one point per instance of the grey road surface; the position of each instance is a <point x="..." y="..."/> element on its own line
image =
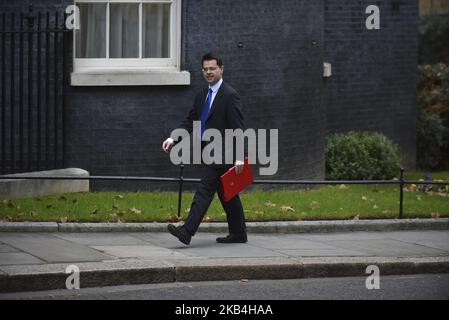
<point x="409" y="287"/>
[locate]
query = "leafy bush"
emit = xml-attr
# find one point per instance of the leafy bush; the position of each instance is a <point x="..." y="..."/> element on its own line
<point x="434" y="38"/>
<point x="433" y="117"/>
<point x="431" y="141"/>
<point x="433" y="90"/>
<point x="361" y="156"/>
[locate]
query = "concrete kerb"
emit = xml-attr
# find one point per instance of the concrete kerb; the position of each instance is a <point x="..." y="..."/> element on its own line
<point x="252" y="227"/>
<point x="29" y="227"/>
<point x="210" y="270"/>
<point x="224" y="269"/>
<point x="100" y="274"/>
<point x="126" y="271"/>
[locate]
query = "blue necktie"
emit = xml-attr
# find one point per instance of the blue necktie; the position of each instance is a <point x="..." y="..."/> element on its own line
<point x="205" y="112"/>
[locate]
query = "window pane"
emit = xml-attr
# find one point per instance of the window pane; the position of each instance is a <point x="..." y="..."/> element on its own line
<point x="124" y="30"/>
<point x="91" y="37"/>
<point x="156" y="31"/>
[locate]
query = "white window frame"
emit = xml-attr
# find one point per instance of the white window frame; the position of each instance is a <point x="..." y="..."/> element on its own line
<point x="135" y="71"/>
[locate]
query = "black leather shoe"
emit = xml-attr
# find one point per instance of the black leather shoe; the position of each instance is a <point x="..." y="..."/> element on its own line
<point x="180" y="232"/>
<point x="233" y="238"/>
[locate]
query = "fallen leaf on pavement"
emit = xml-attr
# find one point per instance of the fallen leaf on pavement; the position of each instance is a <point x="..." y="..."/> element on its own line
<point x="270" y="204"/>
<point x="174" y="218"/>
<point x="287" y="208"/>
<point x="435" y="215"/>
<point x="135" y="211"/>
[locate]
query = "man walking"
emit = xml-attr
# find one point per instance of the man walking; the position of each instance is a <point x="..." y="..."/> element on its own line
<point x="217" y="107"/>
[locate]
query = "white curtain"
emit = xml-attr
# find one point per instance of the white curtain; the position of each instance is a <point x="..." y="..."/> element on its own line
<point x="156" y="30"/>
<point x="92" y="28"/>
<point x="123" y="30"/>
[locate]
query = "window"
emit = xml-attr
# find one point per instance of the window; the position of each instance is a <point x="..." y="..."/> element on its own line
<point x="126" y="38"/>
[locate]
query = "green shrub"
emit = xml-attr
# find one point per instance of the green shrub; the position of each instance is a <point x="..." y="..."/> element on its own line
<point x="431" y="141"/>
<point x="433" y="117"/>
<point x="434" y="38"/>
<point x="361" y="156"/>
<point x="433" y="90"/>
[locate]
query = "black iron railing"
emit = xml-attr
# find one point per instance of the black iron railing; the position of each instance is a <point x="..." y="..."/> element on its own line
<point x="401" y="183"/>
<point x="33" y="50"/>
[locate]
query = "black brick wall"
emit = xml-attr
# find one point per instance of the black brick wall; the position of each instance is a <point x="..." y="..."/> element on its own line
<point x="278" y="72"/>
<point x="374" y="81"/>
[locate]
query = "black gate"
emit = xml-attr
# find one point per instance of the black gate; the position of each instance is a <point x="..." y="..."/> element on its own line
<point x="33" y="55"/>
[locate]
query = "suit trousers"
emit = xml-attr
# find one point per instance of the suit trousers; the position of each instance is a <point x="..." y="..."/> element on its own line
<point x="210" y="183"/>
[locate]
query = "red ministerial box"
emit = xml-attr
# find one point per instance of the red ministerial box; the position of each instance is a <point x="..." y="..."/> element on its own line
<point x="233" y="183"/>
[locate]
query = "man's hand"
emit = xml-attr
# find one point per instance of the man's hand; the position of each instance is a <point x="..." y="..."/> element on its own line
<point x="167" y="144"/>
<point x="239" y="166"/>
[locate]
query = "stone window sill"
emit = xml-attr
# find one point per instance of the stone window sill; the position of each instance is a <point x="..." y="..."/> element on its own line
<point x="129" y="78"/>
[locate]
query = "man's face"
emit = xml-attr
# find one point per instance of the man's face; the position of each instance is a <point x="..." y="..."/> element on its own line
<point x="212" y="72"/>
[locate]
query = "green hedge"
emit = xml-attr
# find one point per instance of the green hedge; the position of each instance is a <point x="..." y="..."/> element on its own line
<point x="361" y="156"/>
<point x="434" y="38"/>
<point x="433" y="117"/>
<point x="432" y="141"/>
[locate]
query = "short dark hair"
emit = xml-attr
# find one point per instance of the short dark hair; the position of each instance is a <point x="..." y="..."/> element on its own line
<point x="212" y="56"/>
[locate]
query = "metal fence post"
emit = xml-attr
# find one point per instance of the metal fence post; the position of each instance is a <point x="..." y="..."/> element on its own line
<point x="401" y="194"/>
<point x="181" y="180"/>
<point x="31" y="19"/>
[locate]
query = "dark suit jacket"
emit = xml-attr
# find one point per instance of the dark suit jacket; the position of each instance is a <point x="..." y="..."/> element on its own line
<point x="225" y="113"/>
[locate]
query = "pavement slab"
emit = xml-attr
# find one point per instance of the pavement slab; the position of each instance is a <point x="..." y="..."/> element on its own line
<point x="14" y="258"/>
<point x="51" y="249"/>
<point x="39" y="260"/>
<point x="5" y="248"/>
<point x="389" y="248"/>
